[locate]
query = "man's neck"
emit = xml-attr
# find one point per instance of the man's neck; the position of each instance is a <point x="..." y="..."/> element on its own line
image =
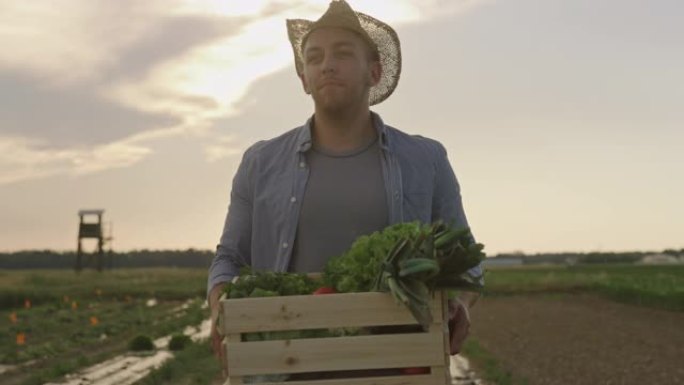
<point x="343" y="132"/>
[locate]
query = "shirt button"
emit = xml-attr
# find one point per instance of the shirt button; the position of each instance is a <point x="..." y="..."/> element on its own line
<point x="293" y="199"/>
<point x="302" y="164"/>
<point x="285" y="245"/>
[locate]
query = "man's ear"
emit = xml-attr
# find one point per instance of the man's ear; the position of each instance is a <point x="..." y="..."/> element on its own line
<point x="305" y="85"/>
<point x="374" y="73"/>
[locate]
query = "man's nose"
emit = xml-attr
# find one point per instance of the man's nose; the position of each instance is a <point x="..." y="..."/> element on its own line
<point x="329" y="64"/>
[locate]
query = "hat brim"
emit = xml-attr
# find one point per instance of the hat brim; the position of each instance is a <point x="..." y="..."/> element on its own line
<point x="385" y="39"/>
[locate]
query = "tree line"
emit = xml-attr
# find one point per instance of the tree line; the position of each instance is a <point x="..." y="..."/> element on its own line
<point x="49" y="259"/>
<point x="589" y="257"/>
<point x="194" y="258"/>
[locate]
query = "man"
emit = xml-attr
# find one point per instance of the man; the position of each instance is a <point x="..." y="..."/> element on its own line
<point x="304" y="196"/>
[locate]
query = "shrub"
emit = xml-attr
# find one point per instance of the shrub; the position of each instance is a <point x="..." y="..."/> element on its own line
<point x="141" y="343"/>
<point x="179" y="342"/>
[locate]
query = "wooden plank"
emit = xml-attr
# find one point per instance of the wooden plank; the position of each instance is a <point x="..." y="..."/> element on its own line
<point x="230" y="340"/>
<point x="390" y="380"/>
<point x="442" y="372"/>
<point x="338" y="353"/>
<point x="316" y="312"/>
<point x="224" y="346"/>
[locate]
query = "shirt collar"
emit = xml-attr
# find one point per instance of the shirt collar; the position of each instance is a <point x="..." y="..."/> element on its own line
<point x="304" y="134"/>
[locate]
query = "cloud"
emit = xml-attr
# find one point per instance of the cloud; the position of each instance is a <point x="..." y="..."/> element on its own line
<point x="169" y="39"/>
<point x="224" y="70"/>
<point x="22" y="159"/>
<point x="86" y="85"/>
<point x="57" y="117"/>
<point x="68" y="41"/>
<point x="65" y="117"/>
<point x="261" y="99"/>
<point x="221" y="147"/>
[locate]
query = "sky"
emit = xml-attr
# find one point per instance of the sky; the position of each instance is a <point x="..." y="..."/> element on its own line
<point x="563" y="120"/>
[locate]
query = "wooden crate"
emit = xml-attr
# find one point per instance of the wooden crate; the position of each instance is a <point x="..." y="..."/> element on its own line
<point x="396" y="350"/>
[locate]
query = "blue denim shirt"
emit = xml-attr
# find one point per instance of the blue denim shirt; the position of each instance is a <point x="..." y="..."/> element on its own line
<point x="269" y="185"/>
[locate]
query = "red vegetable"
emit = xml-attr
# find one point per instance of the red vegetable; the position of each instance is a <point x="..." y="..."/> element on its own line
<point x="421" y="370"/>
<point x="325" y="290"/>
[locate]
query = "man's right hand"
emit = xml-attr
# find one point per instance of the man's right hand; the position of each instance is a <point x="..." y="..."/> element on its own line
<point x="216" y="338"/>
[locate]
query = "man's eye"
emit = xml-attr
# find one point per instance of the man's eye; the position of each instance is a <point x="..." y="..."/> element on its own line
<point x="313" y="58"/>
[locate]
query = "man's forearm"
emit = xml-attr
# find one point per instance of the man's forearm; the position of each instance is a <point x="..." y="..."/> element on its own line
<point x="214" y="296"/>
<point x="468" y="298"/>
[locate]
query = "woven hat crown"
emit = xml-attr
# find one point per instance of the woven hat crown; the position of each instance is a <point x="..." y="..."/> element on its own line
<point x="379" y="36"/>
<point x="340" y="15"/>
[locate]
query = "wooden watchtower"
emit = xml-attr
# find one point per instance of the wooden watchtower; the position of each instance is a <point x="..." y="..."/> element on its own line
<point x="90" y="229"/>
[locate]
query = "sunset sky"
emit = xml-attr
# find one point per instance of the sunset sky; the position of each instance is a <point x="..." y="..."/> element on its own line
<point x="564" y="120"/>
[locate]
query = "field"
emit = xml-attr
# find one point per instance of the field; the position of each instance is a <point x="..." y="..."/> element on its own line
<point x="534" y="325"/>
<point x="55" y="321"/>
<point x="595" y="324"/>
<point x="653" y="286"/>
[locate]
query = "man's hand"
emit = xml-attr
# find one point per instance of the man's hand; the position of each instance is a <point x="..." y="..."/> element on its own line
<point x="215" y="337"/>
<point x="459" y="320"/>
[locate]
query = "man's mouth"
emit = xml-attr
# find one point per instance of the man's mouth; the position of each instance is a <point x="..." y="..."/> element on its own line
<point x="330" y="83"/>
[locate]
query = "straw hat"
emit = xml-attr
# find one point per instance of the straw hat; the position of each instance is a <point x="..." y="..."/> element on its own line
<point x="377" y="34"/>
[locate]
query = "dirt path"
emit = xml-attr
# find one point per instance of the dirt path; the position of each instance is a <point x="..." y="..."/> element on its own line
<point x="581" y="339"/>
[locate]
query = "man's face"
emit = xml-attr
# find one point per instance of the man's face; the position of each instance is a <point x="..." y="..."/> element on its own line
<point x="338" y="70"/>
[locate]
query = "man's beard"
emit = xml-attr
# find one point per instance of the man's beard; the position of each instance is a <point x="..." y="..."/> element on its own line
<point x="340" y="105"/>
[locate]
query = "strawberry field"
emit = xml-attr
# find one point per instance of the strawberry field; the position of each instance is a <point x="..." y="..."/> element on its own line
<point x="53" y="322"/>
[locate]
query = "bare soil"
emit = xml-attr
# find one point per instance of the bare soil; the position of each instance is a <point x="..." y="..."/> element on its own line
<point x="581" y="339"/>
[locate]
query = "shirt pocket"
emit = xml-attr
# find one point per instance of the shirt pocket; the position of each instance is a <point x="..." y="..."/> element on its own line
<point x="417" y="206"/>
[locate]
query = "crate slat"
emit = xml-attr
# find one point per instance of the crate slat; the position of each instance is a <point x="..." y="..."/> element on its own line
<point x="337" y="353"/>
<point x="394" y="350"/>
<point x="231" y="339"/>
<point x="391" y="380"/>
<point x="316" y="312"/>
<point x="441" y="372"/>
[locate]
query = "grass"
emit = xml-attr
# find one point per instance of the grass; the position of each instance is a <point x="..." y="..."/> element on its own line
<point x="49" y="286"/>
<point x="655" y="286"/>
<point x="184" y="368"/>
<point x="75" y="320"/>
<point x="488" y="368"/>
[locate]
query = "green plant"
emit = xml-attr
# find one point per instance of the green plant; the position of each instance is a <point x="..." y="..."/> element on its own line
<point x="356" y="270"/>
<point x="179" y="342"/>
<point x="410" y="260"/>
<point x="269" y="284"/>
<point x="183" y="368"/>
<point x="141" y="343"/>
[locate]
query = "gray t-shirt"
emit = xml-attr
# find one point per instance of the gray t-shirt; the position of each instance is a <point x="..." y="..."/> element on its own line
<point x="344" y="199"/>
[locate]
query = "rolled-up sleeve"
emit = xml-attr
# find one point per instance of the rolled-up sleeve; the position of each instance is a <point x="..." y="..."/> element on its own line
<point x="234" y="248"/>
<point x="447" y="203"/>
